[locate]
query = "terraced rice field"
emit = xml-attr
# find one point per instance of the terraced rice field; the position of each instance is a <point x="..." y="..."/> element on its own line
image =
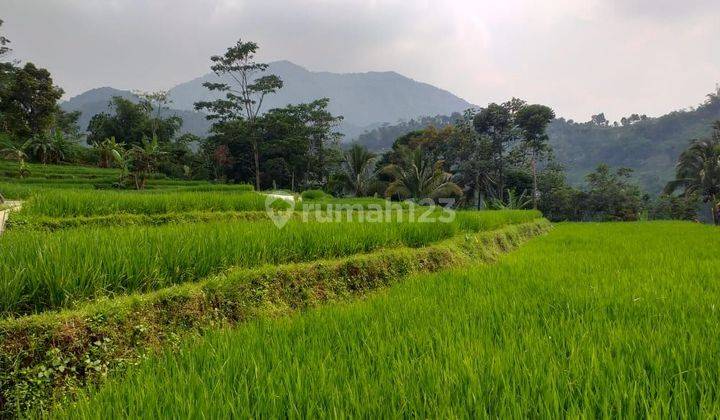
<point x="592" y="320"/>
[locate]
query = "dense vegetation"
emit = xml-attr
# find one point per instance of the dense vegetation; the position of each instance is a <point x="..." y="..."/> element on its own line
<point x="635" y="335"/>
<point x="648" y="146"/>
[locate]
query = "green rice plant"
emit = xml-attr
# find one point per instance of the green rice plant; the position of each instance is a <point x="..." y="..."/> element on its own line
<point x="55" y="171"/>
<point x="43" y="270"/>
<point x="46" y="357"/>
<point x="593" y="320"/>
<point x="67" y="203"/>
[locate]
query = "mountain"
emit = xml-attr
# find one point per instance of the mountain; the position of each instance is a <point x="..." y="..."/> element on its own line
<point x="95" y="101"/>
<point x="650" y="147"/>
<point x="365" y="100"/>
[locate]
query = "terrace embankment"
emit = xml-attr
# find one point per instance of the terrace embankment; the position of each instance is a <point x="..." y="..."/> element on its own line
<point x="5" y="210"/>
<point x="47" y="357"/>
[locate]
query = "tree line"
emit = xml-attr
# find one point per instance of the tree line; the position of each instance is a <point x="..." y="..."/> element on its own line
<point x="494" y="157"/>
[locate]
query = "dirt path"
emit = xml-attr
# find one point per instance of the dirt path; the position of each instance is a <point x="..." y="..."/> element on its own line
<point x="4" y="214"/>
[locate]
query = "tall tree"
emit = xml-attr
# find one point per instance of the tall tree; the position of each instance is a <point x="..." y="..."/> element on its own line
<point x="154" y="103"/>
<point x="244" y="92"/>
<point x="28" y="102"/>
<point x="698" y="172"/>
<point x="309" y="126"/>
<point x="495" y="122"/>
<point x="532" y="120"/>
<point x="471" y="157"/>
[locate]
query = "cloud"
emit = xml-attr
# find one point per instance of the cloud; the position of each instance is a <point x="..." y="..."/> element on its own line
<point x="579" y="56"/>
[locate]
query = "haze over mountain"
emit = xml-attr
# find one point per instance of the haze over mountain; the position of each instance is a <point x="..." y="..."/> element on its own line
<point x="365" y="100"/>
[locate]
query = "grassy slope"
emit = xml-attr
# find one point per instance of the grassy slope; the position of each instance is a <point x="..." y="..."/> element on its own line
<point x="614" y="319"/>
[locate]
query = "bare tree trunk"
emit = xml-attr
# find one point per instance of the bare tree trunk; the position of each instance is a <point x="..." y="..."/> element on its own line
<point x="715" y="211"/>
<point x="476" y="191"/>
<point x="533" y="165"/>
<point x="256" y="152"/>
<point x="501" y="173"/>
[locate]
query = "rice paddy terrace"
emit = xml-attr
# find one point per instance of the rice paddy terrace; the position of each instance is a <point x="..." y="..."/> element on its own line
<point x="187" y="300"/>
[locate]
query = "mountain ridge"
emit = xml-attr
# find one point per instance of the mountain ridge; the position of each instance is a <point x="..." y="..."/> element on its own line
<point x="364" y="99"/>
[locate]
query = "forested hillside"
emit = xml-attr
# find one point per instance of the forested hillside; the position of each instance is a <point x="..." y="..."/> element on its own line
<point x="649" y="146"/>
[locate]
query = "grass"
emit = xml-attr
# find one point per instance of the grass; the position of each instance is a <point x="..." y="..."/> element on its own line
<point x="47" y="357"/>
<point x="594" y="320"/>
<point x="43" y="270"/>
<point x="70" y="203"/>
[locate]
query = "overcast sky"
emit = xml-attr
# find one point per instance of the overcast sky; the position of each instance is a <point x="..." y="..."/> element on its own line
<point x="579" y="56"/>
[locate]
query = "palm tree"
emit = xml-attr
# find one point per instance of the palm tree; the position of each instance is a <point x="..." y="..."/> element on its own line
<point x="514" y="202"/>
<point x="358" y="168"/>
<point x="418" y="177"/>
<point x="698" y="171"/>
<point x="42" y="147"/>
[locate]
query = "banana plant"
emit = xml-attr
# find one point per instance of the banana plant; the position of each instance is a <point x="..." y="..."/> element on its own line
<point x="16" y="152"/>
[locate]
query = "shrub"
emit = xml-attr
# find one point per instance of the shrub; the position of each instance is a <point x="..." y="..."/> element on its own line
<point x="314" y="195"/>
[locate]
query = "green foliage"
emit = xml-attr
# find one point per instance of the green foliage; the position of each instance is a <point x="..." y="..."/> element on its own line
<point x="314" y="195"/>
<point x="4" y="49"/>
<point x="243" y="96"/>
<point x="698" y="172"/>
<point x="612" y="196"/>
<point x="17" y="152"/>
<point x="418" y="177"/>
<point x="130" y="123"/>
<point x="383" y="137"/>
<point x="512" y="202"/>
<point x="593" y="320"/>
<point x="532" y="121"/>
<point x="670" y="207"/>
<point x="28" y="101"/>
<point x="649" y="146"/>
<point x="358" y="170"/>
